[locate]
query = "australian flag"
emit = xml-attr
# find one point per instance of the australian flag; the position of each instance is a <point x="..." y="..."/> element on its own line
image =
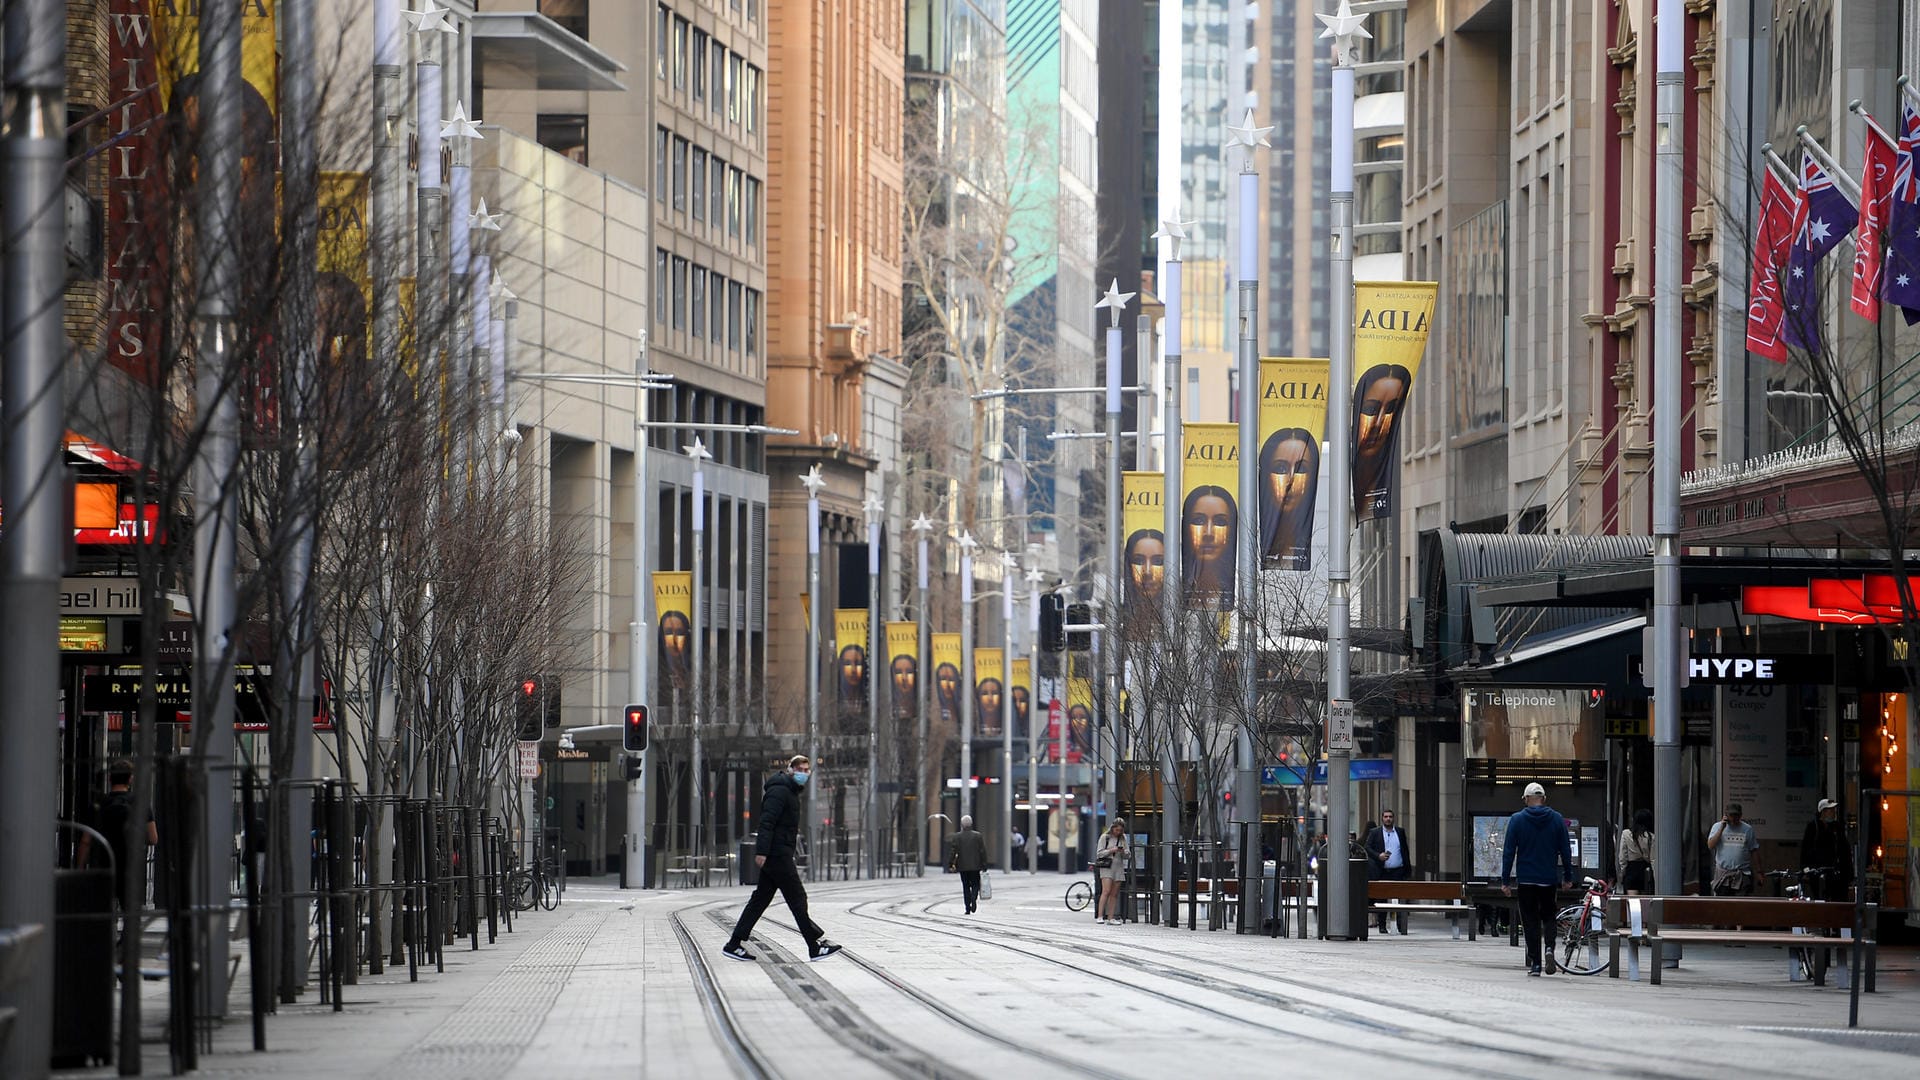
<point x="1900" y="278"/>
<point x="1824" y="216"/>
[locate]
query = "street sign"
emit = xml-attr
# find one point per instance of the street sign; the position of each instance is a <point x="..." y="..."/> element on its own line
<point x="529" y="761"/>
<point x="1340" y="725"/>
<point x="1360" y="769"/>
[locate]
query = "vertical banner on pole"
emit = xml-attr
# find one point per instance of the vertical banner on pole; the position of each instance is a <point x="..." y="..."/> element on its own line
<point x="344" y="285"/>
<point x="1144" y="553"/>
<point x="1389" y="337"/>
<point x="673" y="625"/>
<point x="903" y="668"/>
<point x="1209" y="515"/>
<point x="850" y="660"/>
<point x="989" y="692"/>
<point x="1079" y="719"/>
<point x="946" y="676"/>
<point x="1293" y="424"/>
<point x="1021" y="693"/>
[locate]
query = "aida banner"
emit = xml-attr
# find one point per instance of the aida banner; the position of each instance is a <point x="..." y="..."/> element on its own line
<point x="903" y="668"/>
<point x="1209" y="515"/>
<point x="1143" y="519"/>
<point x="1079" y="723"/>
<point x="989" y="693"/>
<point x="673" y="625"/>
<point x="1391" y="319"/>
<point x="1021" y="694"/>
<point x="343" y="290"/>
<point x="946" y="676"/>
<point x="1293" y="424"/>
<point x="850" y="659"/>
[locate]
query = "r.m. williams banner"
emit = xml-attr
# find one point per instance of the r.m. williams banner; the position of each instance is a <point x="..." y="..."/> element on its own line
<point x="850" y="659"/>
<point x="1389" y="337"/>
<point x="673" y="624"/>
<point x="946" y="676"/>
<point x="1022" y="697"/>
<point x="1209" y="515"/>
<point x="1293" y="422"/>
<point x="989" y="693"/>
<point x="903" y="668"/>
<point x="1143" y="519"/>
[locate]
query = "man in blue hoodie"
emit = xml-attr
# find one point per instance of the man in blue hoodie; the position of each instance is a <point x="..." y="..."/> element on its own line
<point x="1537" y="853"/>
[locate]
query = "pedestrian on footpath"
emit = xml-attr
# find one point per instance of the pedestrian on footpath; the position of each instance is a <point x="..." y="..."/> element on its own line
<point x="1634" y="854"/>
<point x="1019" y="848"/>
<point x="1538" y="855"/>
<point x="1733" y="843"/>
<point x="1825" y="850"/>
<point x="967" y="853"/>
<point x="1391" y="859"/>
<point x="774" y="847"/>
<point x="1111" y="858"/>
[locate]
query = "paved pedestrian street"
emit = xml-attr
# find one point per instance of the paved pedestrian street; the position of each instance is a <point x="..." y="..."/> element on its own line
<point x="624" y="984"/>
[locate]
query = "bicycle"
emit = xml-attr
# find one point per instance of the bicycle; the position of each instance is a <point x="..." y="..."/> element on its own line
<point x="1582" y="932"/>
<point x="1079" y="895"/>
<point x="534" y="886"/>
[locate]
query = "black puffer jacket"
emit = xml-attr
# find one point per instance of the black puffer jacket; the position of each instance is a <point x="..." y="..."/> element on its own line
<point x="779" y="817"/>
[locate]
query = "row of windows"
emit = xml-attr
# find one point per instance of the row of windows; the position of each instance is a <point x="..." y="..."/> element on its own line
<point x="691" y="299"/>
<point x="718" y="77"/>
<point x="702" y="186"/>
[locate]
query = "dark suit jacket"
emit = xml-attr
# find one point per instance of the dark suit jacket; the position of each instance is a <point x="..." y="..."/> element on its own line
<point x="1377" y="846"/>
<point x="967" y="851"/>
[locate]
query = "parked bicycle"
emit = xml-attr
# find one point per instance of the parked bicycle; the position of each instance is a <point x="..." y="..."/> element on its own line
<point x="1079" y="895"/>
<point x="534" y="885"/>
<point x="1582" y="932"/>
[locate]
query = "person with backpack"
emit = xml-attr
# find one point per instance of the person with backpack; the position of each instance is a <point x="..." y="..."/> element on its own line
<point x="1536" y="854"/>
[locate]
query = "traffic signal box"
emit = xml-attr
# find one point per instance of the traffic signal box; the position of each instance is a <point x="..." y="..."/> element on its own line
<point x="527" y="710"/>
<point x="633" y="731"/>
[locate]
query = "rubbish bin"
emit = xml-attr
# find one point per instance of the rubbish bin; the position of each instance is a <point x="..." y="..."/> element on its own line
<point x="749" y="870"/>
<point x="82" y="967"/>
<point x="1356" y="898"/>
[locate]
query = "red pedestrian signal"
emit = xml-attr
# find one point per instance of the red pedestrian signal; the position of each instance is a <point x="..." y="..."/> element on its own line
<point x="634" y="729"/>
<point x="526" y="710"/>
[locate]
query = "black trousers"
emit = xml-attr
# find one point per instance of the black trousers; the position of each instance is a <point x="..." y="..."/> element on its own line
<point x="778" y="875"/>
<point x="1537" y="912"/>
<point x="1398" y="873"/>
<point x="970" y="888"/>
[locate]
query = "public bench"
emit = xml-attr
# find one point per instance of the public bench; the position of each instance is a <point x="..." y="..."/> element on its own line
<point x="1735" y="920"/>
<point x="1444" y="898"/>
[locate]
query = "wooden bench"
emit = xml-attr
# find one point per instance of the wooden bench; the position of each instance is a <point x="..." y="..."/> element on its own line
<point x="1735" y="920"/>
<point x="1445" y="898"/>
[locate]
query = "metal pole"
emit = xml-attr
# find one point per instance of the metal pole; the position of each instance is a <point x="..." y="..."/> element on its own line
<point x="1110" y="656"/>
<point x="1143" y="410"/>
<point x="431" y="268"/>
<point x="1249" y="546"/>
<point x="1171" y="590"/>
<point x="876" y="662"/>
<point x="814" y="482"/>
<point x="639" y="682"/>
<point x="1009" y="574"/>
<point x="1340" y="517"/>
<point x="215" y="257"/>
<point x="701" y="613"/>
<point x="1034" y="578"/>
<point x="1060" y="746"/>
<point x="1669" y="370"/>
<point x="967" y="544"/>
<point x="922" y="526"/>
<point x="32" y="490"/>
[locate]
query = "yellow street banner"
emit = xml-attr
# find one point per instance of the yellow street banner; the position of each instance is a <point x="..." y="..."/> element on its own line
<point x="989" y="693"/>
<point x="947" y="666"/>
<point x="1022" y="696"/>
<point x="1209" y="515"/>
<point x="850" y="658"/>
<point x="343" y="290"/>
<point x="1391" y="319"/>
<point x="1293" y="424"/>
<point x="673" y="625"/>
<point x="1143" y="519"/>
<point x="1079" y="722"/>
<point x="903" y="667"/>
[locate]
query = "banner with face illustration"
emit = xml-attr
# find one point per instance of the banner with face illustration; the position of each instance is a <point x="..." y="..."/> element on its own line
<point x="1293" y="423"/>
<point x="903" y="668"/>
<point x="673" y="625"/>
<point x="1021" y="694"/>
<point x="1143" y="521"/>
<point x="1079" y="717"/>
<point x="1209" y="515"/>
<point x="1389" y="337"/>
<point x="989" y="693"/>
<point x="947" y="667"/>
<point x="850" y="659"/>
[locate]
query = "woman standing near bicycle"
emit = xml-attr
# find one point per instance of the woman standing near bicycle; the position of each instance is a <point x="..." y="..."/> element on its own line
<point x="1635" y="854"/>
<point x="1110" y="861"/>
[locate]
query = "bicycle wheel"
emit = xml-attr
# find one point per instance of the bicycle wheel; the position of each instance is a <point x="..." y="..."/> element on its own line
<point x="549" y="894"/>
<point x="1079" y="895"/>
<point x="520" y="889"/>
<point x="1581" y="945"/>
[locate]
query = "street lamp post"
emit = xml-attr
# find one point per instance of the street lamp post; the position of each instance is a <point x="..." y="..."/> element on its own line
<point x="1343" y="27"/>
<point x="922" y="527"/>
<point x="1172" y="230"/>
<point x="876" y="650"/>
<point x="1034" y="578"/>
<point x="814" y="482"/>
<point x="697" y="451"/>
<point x="967" y="544"/>
<point x="1115" y="302"/>
<point x="1009" y="574"/>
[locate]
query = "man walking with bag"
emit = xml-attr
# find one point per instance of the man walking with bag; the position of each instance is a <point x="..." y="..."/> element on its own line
<point x="1536" y="853"/>
<point x="774" y="847"/>
<point x="967" y="853"/>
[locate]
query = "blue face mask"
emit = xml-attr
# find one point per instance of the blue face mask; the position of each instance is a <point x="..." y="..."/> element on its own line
<point x="801" y="778"/>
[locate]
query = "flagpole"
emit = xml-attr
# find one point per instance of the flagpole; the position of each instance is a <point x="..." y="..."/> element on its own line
<point x="1841" y="179"/>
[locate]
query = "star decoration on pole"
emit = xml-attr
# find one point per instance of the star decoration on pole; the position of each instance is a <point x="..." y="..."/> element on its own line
<point x="1114" y="301"/>
<point x="1035" y="576"/>
<point x="1175" y="230"/>
<point x="431" y="19"/>
<point x="698" y="451"/>
<point x="922" y="525"/>
<point x="1248" y="134"/>
<point x="813" y="481"/>
<point x="967" y="544"/>
<point x="458" y="126"/>
<point x="873" y="508"/>
<point x="482" y="220"/>
<point x="1343" y="26"/>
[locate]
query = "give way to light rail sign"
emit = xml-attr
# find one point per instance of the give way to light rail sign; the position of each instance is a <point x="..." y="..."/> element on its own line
<point x="1340" y="724"/>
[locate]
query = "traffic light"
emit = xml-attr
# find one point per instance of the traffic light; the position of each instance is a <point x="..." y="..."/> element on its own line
<point x="1053" y="622"/>
<point x="526" y="710"/>
<point x="1080" y="640"/>
<point x="634" y="766"/>
<point x="633" y="732"/>
<point x="550" y="702"/>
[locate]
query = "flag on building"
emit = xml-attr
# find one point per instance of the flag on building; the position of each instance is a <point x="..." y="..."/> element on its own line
<point x="1876" y="196"/>
<point x="1900" y="278"/>
<point x="1825" y="215"/>
<point x="1765" y="313"/>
